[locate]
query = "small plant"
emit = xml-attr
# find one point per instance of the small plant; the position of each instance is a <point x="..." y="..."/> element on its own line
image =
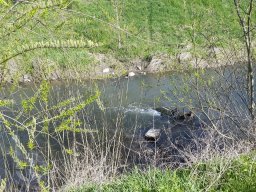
<point x="33" y="110"/>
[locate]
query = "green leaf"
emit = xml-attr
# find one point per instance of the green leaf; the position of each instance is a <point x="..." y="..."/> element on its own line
<point x="2" y="2"/>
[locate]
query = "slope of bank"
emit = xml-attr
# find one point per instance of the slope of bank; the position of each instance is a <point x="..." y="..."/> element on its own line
<point x="238" y="174"/>
<point x="137" y="36"/>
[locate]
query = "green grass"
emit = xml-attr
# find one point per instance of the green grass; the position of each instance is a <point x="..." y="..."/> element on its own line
<point x="157" y="26"/>
<point x="147" y="28"/>
<point x="236" y="175"/>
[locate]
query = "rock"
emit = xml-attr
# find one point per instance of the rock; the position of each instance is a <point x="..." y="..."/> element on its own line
<point x="216" y="50"/>
<point x="184" y="116"/>
<point x="103" y="65"/>
<point x="155" y="65"/>
<point x="55" y="75"/>
<point x="153" y="134"/>
<point x="12" y="67"/>
<point x="47" y="70"/>
<point x="26" y="78"/>
<point x="11" y="70"/>
<point x="138" y="67"/>
<point x="184" y="56"/>
<point x="131" y="74"/>
<point x="138" y="64"/>
<point x="166" y="111"/>
<point x="174" y="113"/>
<point x="199" y="63"/>
<point x="106" y="70"/>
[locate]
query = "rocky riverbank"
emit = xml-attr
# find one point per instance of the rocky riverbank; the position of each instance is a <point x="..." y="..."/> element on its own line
<point x="107" y="66"/>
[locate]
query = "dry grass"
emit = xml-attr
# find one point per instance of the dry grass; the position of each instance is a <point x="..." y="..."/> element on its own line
<point x="90" y="168"/>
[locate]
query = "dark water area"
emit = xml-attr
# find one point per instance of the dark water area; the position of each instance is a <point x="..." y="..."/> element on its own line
<point x="126" y="107"/>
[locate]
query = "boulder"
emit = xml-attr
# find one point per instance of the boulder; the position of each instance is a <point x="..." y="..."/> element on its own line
<point x="138" y="65"/>
<point x="175" y="113"/>
<point x="131" y="74"/>
<point x="166" y="111"/>
<point x="184" y="116"/>
<point x="152" y="134"/>
<point x="155" y="65"/>
<point x="184" y="56"/>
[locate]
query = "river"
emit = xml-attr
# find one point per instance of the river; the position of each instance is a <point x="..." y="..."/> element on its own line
<point x="123" y="113"/>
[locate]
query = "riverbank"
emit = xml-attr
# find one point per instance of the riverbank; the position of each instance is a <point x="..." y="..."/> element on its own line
<point x="106" y="66"/>
<point x="236" y="174"/>
<point x="132" y="36"/>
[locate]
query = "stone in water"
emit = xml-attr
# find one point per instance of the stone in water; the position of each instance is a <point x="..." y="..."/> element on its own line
<point x="131" y="74"/>
<point x="152" y="134"/>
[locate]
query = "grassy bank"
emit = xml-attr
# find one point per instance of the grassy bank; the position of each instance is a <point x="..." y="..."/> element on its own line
<point x="238" y="174"/>
<point x="123" y="30"/>
<point x="147" y="27"/>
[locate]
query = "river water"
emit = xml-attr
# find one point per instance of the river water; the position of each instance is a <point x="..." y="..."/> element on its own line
<point x="126" y="107"/>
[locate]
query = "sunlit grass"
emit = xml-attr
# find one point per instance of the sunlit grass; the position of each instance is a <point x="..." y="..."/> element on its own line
<point x="145" y="28"/>
<point x="238" y="174"/>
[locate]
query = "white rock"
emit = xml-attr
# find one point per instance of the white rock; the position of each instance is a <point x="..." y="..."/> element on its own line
<point x="216" y="50"/>
<point x="106" y="70"/>
<point x="153" y="134"/>
<point x="26" y="78"/>
<point x="185" y="56"/>
<point x="131" y="74"/>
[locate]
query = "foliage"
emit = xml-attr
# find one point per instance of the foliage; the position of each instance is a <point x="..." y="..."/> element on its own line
<point x="35" y="121"/>
<point x="29" y="29"/>
<point x="144" y="28"/>
<point x="237" y="175"/>
<point x="149" y="26"/>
